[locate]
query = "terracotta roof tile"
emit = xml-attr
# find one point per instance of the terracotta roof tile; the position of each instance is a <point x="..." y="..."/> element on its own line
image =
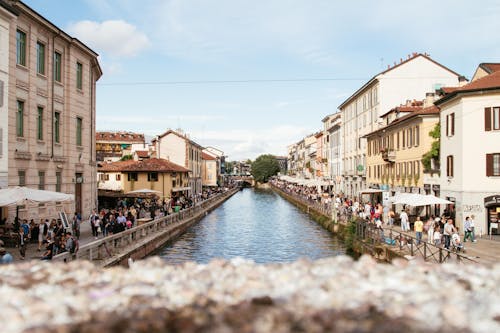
<point x="490" y="67"/>
<point x="422" y="112"/>
<point x="120" y="137"/>
<point x="488" y="82"/>
<point x="142" y="153"/>
<point x="149" y="165"/>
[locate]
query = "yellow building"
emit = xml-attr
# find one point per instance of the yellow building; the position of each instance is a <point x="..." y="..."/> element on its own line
<point x="394" y="152"/>
<point x="154" y="174"/>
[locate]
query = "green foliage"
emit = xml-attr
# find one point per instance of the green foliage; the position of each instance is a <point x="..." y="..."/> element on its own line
<point x="434" y="152"/>
<point x="229" y="167"/>
<point x="264" y="167"/>
<point x="349" y="234"/>
<point x="126" y="157"/>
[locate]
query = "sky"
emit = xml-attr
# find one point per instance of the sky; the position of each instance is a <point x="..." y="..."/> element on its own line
<point x="252" y="77"/>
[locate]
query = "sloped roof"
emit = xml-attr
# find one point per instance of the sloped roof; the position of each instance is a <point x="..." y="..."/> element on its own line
<point x="180" y="136"/>
<point x="489" y="82"/>
<point x="403" y="62"/>
<point x="431" y="110"/>
<point x="490" y="67"/>
<point x="114" y="166"/>
<point x="207" y="157"/>
<point x="142" y="153"/>
<point x="148" y="165"/>
<point x="120" y="137"/>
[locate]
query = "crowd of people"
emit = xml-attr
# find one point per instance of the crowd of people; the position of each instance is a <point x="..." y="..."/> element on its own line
<point x="439" y="230"/>
<point x="54" y="237"/>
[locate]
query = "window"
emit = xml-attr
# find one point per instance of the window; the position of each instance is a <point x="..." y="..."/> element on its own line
<point x="492" y="118"/>
<point x="57" y="124"/>
<point x="449" y="166"/>
<point x="132" y="176"/>
<point x="21" y="48"/>
<point x="493" y="164"/>
<point x="41" y="180"/>
<point x="417" y="136"/>
<point x="58" y="181"/>
<point x="173" y="183"/>
<point x="450" y="124"/>
<point x="79" y="78"/>
<point x="39" y="123"/>
<point x="1" y="141"/>
<point x="57" y="66"/>
<point x="153" y="177"/>
<point x="20" y="119"/>
<point x="397" y="140"/>
<point x="40" y="58"/>
<point x="403" y="136"/>
<point x="79" y="122"/>
<point x="106" y="176"/>
<point x="118" y="177"/>
<point x="22" y="177"/>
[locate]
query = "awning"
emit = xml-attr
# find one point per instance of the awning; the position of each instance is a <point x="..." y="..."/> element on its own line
<point x="370" y="190"/>
<point x="180" y="189"/>
<point x="415" y="199"/>
<point x="21" y="195"/>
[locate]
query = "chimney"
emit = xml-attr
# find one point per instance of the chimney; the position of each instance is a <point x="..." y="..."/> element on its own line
<point x="429" y="99"/>
<point x="462" y="81"/>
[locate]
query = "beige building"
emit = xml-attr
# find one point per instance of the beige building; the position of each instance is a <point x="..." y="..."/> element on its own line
<point x="179" y="149"/>
<point x="51" y="112"/>
<point x="408" y="79"/>
<point x="118" y="178"/>
<point x="209" y="169"/>
<point x="394" y="152"/>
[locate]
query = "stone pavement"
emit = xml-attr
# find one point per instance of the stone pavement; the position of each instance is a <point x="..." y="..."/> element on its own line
<point x="484" y="251"/>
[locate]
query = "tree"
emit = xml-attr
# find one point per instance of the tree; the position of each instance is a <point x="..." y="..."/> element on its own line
<point x="264" y="167"/>
<point x="126" y="157"/>
<point x="432" y="154"/>
<point x="229" y="167"/>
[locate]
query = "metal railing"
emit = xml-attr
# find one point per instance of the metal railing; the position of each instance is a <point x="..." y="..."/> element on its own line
<point x="403" y="244"/>
<point x="112" y="245"/>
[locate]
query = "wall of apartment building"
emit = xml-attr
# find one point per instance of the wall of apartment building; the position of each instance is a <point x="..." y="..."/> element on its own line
<point x="5" y="18"/>
<point x="209" y="172"/>
<point x="408" y="158"/>
<point x="469" y="185"/>
<point x="66" y="165"/>
<point x="173" y="148"/>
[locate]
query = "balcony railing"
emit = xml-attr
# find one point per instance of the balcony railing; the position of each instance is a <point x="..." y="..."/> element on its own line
<point x="389" y="156"/>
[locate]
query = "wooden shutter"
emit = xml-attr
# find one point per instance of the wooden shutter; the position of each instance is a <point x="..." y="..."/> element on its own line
<point x="487" y="119"/>
<point x="452" y="124"/>
<point x="452" y="169"/>
<point x="447" y="125"/>
<point x="489" y="165"/>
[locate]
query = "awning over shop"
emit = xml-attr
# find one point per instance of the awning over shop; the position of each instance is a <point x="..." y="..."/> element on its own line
<point x="370" y="190"/>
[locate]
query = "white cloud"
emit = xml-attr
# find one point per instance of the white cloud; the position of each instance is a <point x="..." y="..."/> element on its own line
<point x="116" y="38"/>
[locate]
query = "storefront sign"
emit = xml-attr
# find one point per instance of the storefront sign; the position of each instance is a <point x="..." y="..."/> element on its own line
<point x="472" y="208"/>
<point x="492" y="201"/>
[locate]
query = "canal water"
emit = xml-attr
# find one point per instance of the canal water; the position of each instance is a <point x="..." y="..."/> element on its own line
<point x="254" y="224"/>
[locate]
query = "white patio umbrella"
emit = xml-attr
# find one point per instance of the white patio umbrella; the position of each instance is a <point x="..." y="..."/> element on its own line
<point x="415" y="199"/>
<point x="19" y="195"/>
<point x="144" y="191"/>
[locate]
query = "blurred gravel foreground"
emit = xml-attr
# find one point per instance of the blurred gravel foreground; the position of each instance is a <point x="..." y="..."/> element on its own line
<point x="329" y="295"/>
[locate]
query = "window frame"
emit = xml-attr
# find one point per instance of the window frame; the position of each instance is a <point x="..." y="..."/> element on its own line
<point x="132" y="176"/>
<point x="41" y="180"/>
<point x="40" y="58"/>
<point x="57" y="66"/>
<point x="58" y="181"/>
<point x="79" y="75"/>
<point x="449" y="166"/>
<point x="79" y="130"/>
<point x="21" y="174"/>
<point x="39" y="123"/>
<point x="21" y="47"/>
<point x="491" y="163"/>
<point x="57" y="127"/>
<point x="152" y="176"/>
<point x="20" y="119"/>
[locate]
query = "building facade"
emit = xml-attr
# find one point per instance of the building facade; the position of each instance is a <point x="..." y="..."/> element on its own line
<point x="332" y="125"/>
<point x="112" y="146"/>
<point x="179" y="149"/>
<point x="470" y="152"/>
<point x="408" y="80"/>
<point x="6" y="16"/>
<point x="209" y="170"/>
<point x="394" y="152"/>
<point x="51" y="113"/>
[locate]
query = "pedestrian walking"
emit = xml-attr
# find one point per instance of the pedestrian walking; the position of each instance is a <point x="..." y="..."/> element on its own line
<point x="419" y="228"/>
<point x="405" y="223"/>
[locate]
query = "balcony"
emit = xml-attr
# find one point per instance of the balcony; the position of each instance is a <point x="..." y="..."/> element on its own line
<point x="389" y="155"/>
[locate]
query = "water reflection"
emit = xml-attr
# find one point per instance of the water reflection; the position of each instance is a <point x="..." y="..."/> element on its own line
<point x="257" y="225"/>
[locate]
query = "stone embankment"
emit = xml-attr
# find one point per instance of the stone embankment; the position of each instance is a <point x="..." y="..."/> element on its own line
<point x="328" y="295"/>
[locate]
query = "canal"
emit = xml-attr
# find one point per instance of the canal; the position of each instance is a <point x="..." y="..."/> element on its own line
<point x="254" y="224"/>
